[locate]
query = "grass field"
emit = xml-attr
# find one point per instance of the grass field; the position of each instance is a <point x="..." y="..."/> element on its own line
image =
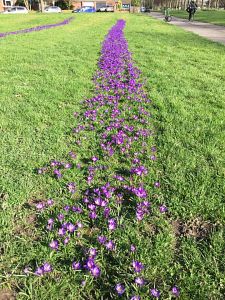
<point x="209" y="16"/>
<point x="43" y="78"/>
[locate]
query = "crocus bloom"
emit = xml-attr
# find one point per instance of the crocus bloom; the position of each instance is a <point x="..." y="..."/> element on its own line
<point x="66" y="207"/>
<point x="71" y="227"/>
<point x="67" y="165"/>
<point x="140" y="281"/>
<point x="175" y="291"/>
<point x="120" y="288"/>
<point x="40" y="205"/>
<point x="76" y="265"/>
<point x="57" y="173"/>
<point x="138" y="266"/>
<point x="132" y="248"/>
<point x="93" y="252"/>
<point x="101" y="239"/>
<point x="140" y="192"/>
<point x="61" y="231"/>
<point x="39" y="271"/>
<point x="93" y="215"/>
<point x="66" y="241"/>
<point x="47" y="267"/>
<point x="163" y="209"/>
<point x="112" y="224"/>
<point x="54" y="245"/>
<point x="71" y="187"/>
<point x="60" y="217"/>
<point x="90" y="263"/>
<point x="155" y="293"/>
<point x="72" y="154"/>
<point x="157" y="184"/>
<point x="110" y="245"/>
<point x="95" y="271"/>
<point x="50" y="202"/>
<point x="135" y="298"/>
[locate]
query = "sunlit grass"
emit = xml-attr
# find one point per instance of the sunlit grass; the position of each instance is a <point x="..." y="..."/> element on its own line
<point x="45" y="75"/>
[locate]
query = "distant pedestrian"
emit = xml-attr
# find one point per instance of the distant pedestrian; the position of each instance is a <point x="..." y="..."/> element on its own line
<point x="191" y="9"/>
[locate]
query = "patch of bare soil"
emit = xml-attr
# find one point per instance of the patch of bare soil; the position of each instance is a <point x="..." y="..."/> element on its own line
<point x="7" y="294"/>
<point x="197" y="228"/>
<point x="26" y="226"/>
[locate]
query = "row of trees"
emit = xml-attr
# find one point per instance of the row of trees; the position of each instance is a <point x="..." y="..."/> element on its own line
<point x="39" y="4"/>
<point x="179" y="4"/>
<point x="153" y="4"/>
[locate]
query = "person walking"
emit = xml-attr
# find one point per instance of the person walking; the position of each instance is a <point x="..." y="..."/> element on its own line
<point x="191" y="9"/>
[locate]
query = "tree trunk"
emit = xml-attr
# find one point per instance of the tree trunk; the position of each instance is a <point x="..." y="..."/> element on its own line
<point x="42" y="7"/>
<point x="26" y="4"/>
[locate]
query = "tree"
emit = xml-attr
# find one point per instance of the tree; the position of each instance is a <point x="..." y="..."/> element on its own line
<point x="42" y="6"/>
<point x="136" y="3"/>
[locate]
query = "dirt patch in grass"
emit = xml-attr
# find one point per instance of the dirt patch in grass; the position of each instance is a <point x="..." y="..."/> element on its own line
<point x="7" y="294"/>
<point x="26" y="226"/>
<point x="196" y="228"/>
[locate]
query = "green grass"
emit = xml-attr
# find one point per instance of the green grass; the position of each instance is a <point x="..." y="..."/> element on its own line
<point x="209" y="16"/>
<point x="45" y="75"/>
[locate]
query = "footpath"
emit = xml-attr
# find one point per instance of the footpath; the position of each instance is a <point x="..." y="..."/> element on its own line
<point x="210" y="31"/>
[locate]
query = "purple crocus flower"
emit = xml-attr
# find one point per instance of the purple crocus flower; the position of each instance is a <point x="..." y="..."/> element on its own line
<point x="93" y="252"/>
<point x="39" y="271"/>
<point x="175" y="291"/>
<point x="40" y="205"/>
<point x="90" y="263"/>
<point x="110" y="245"/>
<point x="72" y="154"/>
<point x="54" y="245"/>
<point x="140" y="192"/>
<point x="57" y="173"/>
<point x="61" y="231"/>
<point x="157" y="184"/>
<point x="76" y="265"/>
<point x="120" y="288"/>
<point x="140" y="281"/>
<point x="163" y="209"/>
<point x="102" y="239"/>
<point x="71" y="227"/>
<point x="138" y="266"/>
<point x="112" y="224"/>
<point x="60" y="217"/>
<point x="47" y="267"/>
<point x="93" y="215"/>
<point x="155" y="293"/>
<point x="96" y="271"/>
<point x="67" y="166"/>
<point x="132" y="248"/>
<point x="66" y="207"/>
<point x="66" y="241"/>
<point x="50" y="202"/>
<point x="71" y="187"/>
<point x="135" y="298"/>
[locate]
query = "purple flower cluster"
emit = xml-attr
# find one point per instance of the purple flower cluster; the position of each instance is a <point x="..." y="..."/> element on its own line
<point x="109" y="195"/>
<point x="37" y="28"/>
<point x="45" y="268"/>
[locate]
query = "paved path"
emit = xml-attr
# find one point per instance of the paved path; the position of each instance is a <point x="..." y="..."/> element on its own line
<point x="209" y="31"/>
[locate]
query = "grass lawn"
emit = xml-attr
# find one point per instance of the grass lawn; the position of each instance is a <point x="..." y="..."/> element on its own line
<point x="209" y="16"/>
<point x="43" y="78"/>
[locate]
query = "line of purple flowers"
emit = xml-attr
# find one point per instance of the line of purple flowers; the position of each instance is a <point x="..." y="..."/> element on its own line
<point x="119" y="112"/>
<point x="37" y="28"/>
